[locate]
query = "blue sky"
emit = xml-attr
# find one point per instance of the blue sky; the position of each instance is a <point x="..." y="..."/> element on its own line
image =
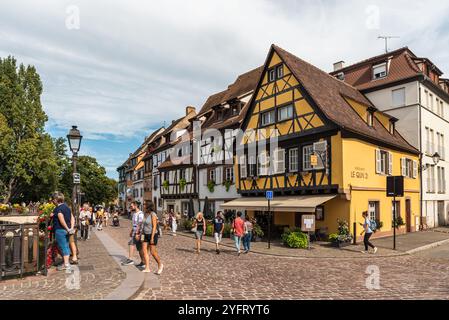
<point x="119" y="69"/>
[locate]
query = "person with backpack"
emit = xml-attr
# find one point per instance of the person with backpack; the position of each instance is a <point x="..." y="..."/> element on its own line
<point x="148" y="231"/>
<point x="368" y="228"/>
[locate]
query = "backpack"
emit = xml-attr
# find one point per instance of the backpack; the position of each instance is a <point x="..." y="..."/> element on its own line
<point x="373" y="225"/>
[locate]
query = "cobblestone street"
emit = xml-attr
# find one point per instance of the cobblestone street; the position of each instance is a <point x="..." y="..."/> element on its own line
<point x="226" y="276"/>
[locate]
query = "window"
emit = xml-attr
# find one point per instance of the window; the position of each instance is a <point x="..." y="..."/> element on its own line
<point x="373" y="210"/>
<point x="267" y="118"/>
<point x="432" y="142"/>
<point x="263" y="164"/>
<point x="271" y="75"/>
<point x="384" y="162"/>
<point x="440" y="141"/>
<point x="369" y="119"/>
<point x="341" y="76"/>
<point x="431" y="102"/>
<point x="212" y="175"/>
<point x="235" y="111"/>
<point x="409" y="168"/>
<point x="399" y="97"/>
<point x="441" y="109"/>
<point x="307" y="152"/>
<point x="396" y="205"/>
<point x="293" y="160"/>
<point x="380" y="71"/>
<point x="285" y="113"/>
<point x="391" y="129"/>
<point x="319" y="213"/>
<point x="243" y="172"/>
<point x="252" y="166"/>
<point x="182" y="174"/>
<point x="431" y="179"/>
<point x="280" y="71"/>
<point x="426" y="95"/>
<point x="229" y="174"/>
<point x="441" y="180"/>
<point x="279" y="161"/>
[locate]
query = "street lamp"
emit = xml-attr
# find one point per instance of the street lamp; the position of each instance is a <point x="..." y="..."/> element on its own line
<point x="74" y="137"/>
<point x="436" y="159"/>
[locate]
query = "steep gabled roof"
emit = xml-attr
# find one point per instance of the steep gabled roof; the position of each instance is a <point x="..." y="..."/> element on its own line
<point x="330" y="96"/>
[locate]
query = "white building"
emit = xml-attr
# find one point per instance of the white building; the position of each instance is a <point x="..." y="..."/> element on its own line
<point x="411" y="89"/>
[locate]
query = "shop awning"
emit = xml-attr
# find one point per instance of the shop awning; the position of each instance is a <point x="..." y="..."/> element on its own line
<point x="282" y="204"/>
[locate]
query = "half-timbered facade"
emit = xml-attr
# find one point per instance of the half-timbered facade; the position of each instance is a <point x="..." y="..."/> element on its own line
<point x="322" y="147"/>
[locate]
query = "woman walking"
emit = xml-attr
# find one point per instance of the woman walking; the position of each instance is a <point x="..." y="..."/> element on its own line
<point x="149" y="234"/>
<point x="368" y="233"/>
<point x="174" y="223"/>
<point x="248" y="234"/>
<point x="200" y="225"/>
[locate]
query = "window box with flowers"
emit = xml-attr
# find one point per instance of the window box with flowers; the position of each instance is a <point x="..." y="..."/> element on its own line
<point x="211" y="186"/>
<point x="182" y="184"/>
<point x="165" y="185"/>
<point x="343" y="238"/>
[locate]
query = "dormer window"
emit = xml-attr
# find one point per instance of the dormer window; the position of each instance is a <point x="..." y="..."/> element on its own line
<point x="280" y="71"/>
<point x="392" y="127"/>
<point x="271" y="75"/>
<point x="275" y="73"/>
<point x="380" y="71"/>
<point x="341" y="76"/>
<point x="369" y="119"/>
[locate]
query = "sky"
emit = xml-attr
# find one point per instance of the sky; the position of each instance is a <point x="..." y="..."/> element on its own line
<point x="121" y="69"/>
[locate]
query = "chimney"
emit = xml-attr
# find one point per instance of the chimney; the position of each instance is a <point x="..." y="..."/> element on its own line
<point x="339" y="65"/>
<point x="190" y="109"/>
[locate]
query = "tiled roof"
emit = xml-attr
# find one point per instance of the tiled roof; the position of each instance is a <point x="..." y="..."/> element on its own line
<point x="329" y="94"/>
<point x="401" y="66"/>
<point x="244" y="83"/>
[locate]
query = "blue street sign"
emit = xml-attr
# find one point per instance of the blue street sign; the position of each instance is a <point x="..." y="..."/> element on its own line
<point x="269" y="195"/>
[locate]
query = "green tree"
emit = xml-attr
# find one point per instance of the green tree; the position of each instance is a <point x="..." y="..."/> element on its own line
<point x="27" y="153"/>
<point x="95" y="185"/>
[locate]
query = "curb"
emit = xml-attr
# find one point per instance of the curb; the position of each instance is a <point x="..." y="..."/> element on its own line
<point x="428" y="246"/>
<point x="134" y="281"/>
<point x="301" y="258"/>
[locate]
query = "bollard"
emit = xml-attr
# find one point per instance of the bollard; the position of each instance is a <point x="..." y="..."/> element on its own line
<point x="355" y="233"/>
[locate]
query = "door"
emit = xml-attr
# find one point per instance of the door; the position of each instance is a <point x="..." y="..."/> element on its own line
<point x="441" y="214"/>
<point x="408" y="215"/>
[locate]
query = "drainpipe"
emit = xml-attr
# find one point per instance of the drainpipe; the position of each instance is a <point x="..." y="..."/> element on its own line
<point x="421" y="153"/>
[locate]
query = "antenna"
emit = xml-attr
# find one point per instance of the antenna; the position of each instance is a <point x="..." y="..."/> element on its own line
<point x="386" y="38"/>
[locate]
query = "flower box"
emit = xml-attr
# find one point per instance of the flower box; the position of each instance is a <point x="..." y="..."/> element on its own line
<point x="341" y="244"/>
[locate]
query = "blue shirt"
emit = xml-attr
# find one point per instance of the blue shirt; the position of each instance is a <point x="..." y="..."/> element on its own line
<point x="218" y="223"/>
<point x="65" y="210"/>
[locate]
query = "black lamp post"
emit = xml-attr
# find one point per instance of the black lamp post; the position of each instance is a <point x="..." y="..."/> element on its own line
<point x="74" y="137"/>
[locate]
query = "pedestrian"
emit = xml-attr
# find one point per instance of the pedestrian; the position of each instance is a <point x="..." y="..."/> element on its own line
<point x="165" y="220"/>
<point x="106" y="217"/>
<point x="238" y="227"/>
<point x="248" y="234"/>
<point x="149" y="232"/>
<point x="199" y="225"/>
<point x="63" y="223"/>
<point x="85" y="216"/>
<point x="174" y="223"/>
<point x="218" y="230"/>
<point x="100" y="217"/>
<point x="368" y="233"/>
<point x="133" y="244"/>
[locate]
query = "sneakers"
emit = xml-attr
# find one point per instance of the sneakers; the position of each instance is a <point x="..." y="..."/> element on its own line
<point x="140" y="264"/>
<point x="63" y="267"/>
<point x="239" y="253"/>
<point x="128" y="262"/>
<point x="363" y="251"/>
<point x="217" y="251"/>
<point x="146" y="271"/>
<point x="159" y="271"/>
<point x="374" y="250"/>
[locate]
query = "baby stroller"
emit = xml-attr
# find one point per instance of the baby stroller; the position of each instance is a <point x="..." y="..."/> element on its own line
<point x="115" y="220"/>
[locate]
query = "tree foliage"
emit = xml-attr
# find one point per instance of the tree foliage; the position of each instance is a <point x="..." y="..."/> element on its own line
<point x="32" y="164"/>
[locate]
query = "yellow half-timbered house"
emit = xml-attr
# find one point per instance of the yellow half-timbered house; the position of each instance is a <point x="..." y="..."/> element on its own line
<point x="323" y="148"/>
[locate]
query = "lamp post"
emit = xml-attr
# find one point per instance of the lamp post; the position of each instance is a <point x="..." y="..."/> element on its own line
<point x="74" y="137"/>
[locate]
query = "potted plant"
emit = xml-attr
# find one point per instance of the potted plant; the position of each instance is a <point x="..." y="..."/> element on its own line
<point x="211" y="186"/>
<point x="165" y="184"/>
<point x="295" y="239"/>
<point x="182" y="184"/>
<point x="227" y="185"/>
<point x="257" y="233"/>
<point x="398" y="222"/>
<point x="343" y="238"/>
<point x="379" y="225"/>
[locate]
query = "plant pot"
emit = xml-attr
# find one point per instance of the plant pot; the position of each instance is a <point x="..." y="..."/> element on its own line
<point x="341" y="244"/>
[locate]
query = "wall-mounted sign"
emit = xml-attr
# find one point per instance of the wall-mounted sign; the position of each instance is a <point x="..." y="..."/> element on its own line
<point x="308" y="223"/>
<point x="314" y="160"/>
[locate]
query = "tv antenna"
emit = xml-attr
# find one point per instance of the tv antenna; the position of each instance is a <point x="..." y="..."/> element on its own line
<point x="386" y="38"/>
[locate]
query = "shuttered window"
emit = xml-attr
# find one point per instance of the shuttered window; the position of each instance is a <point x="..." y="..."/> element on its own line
<point x="279" y="161"/>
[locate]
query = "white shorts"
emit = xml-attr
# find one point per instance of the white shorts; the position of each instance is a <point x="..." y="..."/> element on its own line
<point x="217" y="237"/>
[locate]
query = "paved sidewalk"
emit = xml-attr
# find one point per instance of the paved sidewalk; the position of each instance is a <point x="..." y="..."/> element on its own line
<point x="409" y="243"/>
<point x="96" y="276"/>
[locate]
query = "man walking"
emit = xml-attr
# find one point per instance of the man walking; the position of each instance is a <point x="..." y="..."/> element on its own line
<point x="85" y="216"/>
<point x="239" y="228"/>
<point x="63" y="223"/>
<point x="134" y="243"/>
<point x="218" y="230"/>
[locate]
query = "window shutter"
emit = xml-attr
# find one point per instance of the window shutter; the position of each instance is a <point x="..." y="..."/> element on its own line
<point x="218" y="175"/>
<point x="403" y="167"/>
<point x="204" y="177"/>
<point x="415" y="169"/>
<point x="390" y="163"/>
<point x="378" y="162"/>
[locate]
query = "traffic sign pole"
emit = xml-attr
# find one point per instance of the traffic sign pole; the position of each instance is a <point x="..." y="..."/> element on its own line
<point x="269" y="196"/>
